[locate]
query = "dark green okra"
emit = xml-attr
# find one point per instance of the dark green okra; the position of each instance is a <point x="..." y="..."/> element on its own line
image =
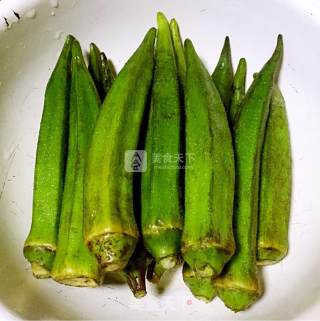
<point x="240" y="285"/>
<point x="201" y="287"/>
<point x="207" y="239"/>
<point x="74" y="264"/>
<point x="275" y="185"/>
<point x="222" y="75"/>
<point x="40" y="245"/>
<point x="238" y="91"/>
<point x="110" y="228"/>
<point x="101" y="70"/>
<point x="161" y="220"/>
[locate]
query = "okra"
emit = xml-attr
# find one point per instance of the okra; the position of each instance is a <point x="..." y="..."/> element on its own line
<point x="222" y="75"/>
<point x="179" y="51"/>
<point x="40" y="245"/>
<point x="238" y="91"/>
<point x="201" y="287"/>
<point x="275" y="185"/>
<point x="110" y="228"/>
<point x="240" y="285"/>
<point x="161" y="220"/>
<point x="100" y="70"/>
<point x="207" y="239"/>
<point x="74" y="264"/>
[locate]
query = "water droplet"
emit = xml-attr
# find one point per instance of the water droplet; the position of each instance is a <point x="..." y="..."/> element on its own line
<point x="57" y="35"/>
<point x="31" y="14"/>
<point x="54" y="3"/>
<point x="53" y="13"/>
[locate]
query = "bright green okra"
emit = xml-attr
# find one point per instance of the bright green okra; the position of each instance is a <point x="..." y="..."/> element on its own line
<point x="238" y="91"/>
<point x="110" y="228"/>
<point x="240" y="285"/>
<point x="222" y="75"/>
<point x="207" y="239"/>
<point x="201" y="287"/>
<point x="179" y="51"/>
<point x="101" y="70"/>
<point x="161" y="217"/>
<point x="40" y="245"/>
<point x="74" y="264"/>
<point x="275" y="185"/>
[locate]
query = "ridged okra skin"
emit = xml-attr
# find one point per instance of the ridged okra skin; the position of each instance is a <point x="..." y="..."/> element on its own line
<point x="40" y="245"/>
<point x="110" y="228"/>
<point x="179" y="51"/>
<point x="238" y="91"/>
<point x="201" y="287"/>
<point x="240" y="285"/>
<point x="275" y="185"/>
<point x="101" y="70"/>
<point x="207" y="239"/>
<point x="161" y="217"/>
<point x="222" y="75"/>
<point x="74" y="264"/>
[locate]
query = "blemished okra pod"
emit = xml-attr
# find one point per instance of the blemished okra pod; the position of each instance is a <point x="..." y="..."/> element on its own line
<point x="222" y="75"/>
<point x="238" y="90"/>
<point x="74" y="264"/>
<point x="201" y="287"/>
<point x="161" y="217"/>
<point x="178" y="50"/>
<point x="275" y="185"/>
<point x="100" y="70"/>
<point x="207" y="239"/>
<point x="40" y="245"/>
<point x="110" y="228"/>
<point x="240" y="285"/>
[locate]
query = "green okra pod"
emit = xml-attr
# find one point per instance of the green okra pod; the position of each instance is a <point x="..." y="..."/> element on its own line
<point x="161" y="219"/>
<point x="240" y="285"/>
<point x="179" y="51"/>
<point x="201" y="287"/>
<point x="275" y="185"/>
<point x="207" y="239"/>
<point x="238" y="90"/>
<point x="100" y="70"/>
<point x="110" y="228"/>
<point x="40" y="245"/>
<point x="74" y="264"/>
<point x="222" y="75"/>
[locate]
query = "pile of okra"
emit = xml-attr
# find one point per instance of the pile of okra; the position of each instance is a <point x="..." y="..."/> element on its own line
<point x="159" y="166"/>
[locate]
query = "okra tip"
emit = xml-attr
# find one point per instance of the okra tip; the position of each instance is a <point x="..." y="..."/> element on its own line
<point x="161" y="18"/>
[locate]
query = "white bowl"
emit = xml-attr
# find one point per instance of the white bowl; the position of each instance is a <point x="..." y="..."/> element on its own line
<point x="28" y="51"/>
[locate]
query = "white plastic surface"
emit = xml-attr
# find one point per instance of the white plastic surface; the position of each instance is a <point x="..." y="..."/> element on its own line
<point x="28" y="51"/>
